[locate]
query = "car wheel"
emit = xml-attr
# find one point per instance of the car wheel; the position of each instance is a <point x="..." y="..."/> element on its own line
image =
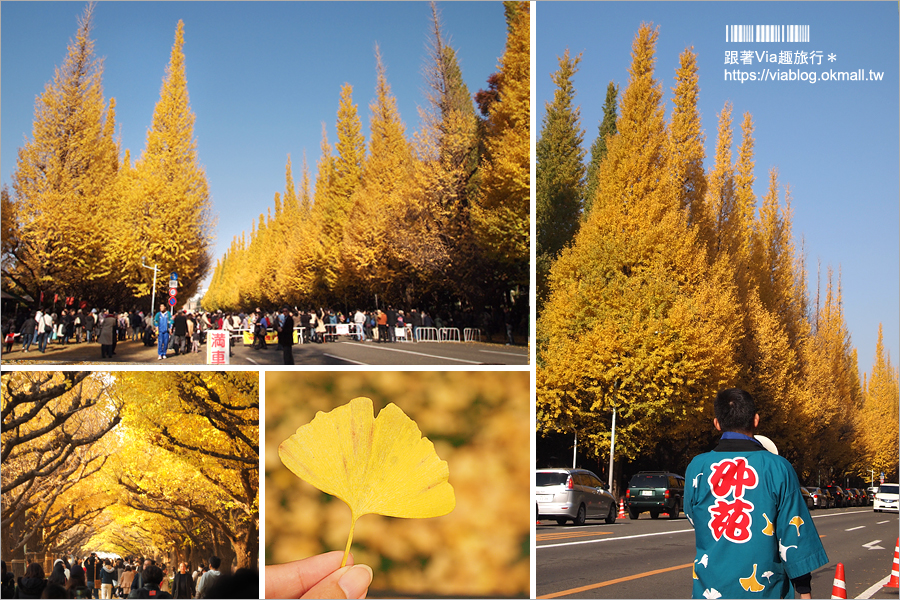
<point x="581" y="517"/>
<point x="633" y="514"/>
<point x="654" y="514"/>
<point x="561" y="521"/>
<point x="611" y="517"/>
<point x="673" y="514"/>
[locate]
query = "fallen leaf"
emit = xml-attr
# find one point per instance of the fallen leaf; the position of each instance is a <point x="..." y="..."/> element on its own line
<point x="376" y="465"/>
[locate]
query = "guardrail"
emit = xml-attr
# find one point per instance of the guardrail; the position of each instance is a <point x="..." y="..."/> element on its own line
<point x="471" y="334"/>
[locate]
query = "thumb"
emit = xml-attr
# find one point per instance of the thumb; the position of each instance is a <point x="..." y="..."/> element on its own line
<point x="345" y="583"/>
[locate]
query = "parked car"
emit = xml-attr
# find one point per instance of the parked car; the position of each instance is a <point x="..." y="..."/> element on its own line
<point x="807" y="497"/>
<point x="870" y="493"/>
<point x="851" y="497"/>
<point x="655" y="492"/>
<point x="573" y="494"/>
<point x="858" y="497"/>
<point x="829" y="497"/>
<point x="818" y="498"/>
<point x="840" y="496"/>
<point x="886" y="498"/>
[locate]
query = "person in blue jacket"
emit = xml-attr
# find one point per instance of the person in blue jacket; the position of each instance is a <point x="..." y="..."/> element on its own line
<point x="162" y="322"/>
<point x="753" y="532"/>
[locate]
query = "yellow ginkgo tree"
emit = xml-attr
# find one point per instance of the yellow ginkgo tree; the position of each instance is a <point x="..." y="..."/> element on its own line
<point x="377" y="465"/>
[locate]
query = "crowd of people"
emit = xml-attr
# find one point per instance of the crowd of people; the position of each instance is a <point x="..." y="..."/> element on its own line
<point x="132" y="577"/>
<point x="184" y="331"/>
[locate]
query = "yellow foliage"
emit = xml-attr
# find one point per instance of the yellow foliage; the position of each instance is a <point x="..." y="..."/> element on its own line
<point x="478" y="423"/>
<point x="377" y="466"/>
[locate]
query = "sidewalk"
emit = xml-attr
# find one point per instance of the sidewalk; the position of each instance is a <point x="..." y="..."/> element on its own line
<point x="127" y="352"/>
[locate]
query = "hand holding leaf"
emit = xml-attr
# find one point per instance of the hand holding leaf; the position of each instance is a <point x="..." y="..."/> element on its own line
<point x="382" y="466"/>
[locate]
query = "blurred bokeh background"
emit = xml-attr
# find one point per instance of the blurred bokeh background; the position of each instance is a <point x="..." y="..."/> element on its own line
<point x="479" y="423"/>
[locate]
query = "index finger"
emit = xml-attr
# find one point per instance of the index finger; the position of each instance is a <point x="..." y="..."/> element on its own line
<point x="293" y="579"/>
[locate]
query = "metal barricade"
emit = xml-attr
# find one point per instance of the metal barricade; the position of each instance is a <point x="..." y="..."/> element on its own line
<point x="426" y="334"/>
<point x="471" y="334"/>
<point x="333" y="331"/>
<point x="449" y="334"/>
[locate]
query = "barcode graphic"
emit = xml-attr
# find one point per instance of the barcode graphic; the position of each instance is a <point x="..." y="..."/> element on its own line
<point x="766" y="33"/>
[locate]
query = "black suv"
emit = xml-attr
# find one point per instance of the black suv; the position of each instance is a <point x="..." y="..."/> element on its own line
<point x="840" y="496"/>
<point x="656" y="492"/>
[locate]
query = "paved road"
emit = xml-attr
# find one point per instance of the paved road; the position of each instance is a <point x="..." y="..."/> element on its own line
<point x="652" y="558"/>
<point x="336" y="353"/>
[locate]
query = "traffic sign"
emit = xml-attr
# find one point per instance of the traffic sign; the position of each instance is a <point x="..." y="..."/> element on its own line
<point x="174" y="275"/>
<point x="173" y="284"/>
<point x="172" y="301"/>
<point x="173" y="292"/>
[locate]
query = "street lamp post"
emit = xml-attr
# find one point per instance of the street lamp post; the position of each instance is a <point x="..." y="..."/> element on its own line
<point x="612" y="436"/>
<point x="612" y="448"/>
<point x="575" y="450"/>
<point x="155" y="269"/>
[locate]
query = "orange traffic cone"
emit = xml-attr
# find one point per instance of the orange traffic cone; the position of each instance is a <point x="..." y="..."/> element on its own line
<point x="895" y="570"/>
<point x="839" y="588"/>
<point x="621" y="508"/>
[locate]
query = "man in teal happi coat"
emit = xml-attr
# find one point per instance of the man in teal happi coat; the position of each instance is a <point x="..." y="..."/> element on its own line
<point x="754" y="535"/>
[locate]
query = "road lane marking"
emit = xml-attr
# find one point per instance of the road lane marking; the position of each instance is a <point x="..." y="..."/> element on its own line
<point x="855" y="528"/>
<point x="882" y="522"/>
<point x="253" y="361"/>
<point x="625" y="537"/>
<point x="355" y="362"/>
<point x="871" y="545"/>
<point x="562" y="535"/>
<point x="504" y="353"/>
<point x="855" y="512"/>
<point x="473" y="362"/>
<point x="594" y="586"/>
<point x="875" y="588"/>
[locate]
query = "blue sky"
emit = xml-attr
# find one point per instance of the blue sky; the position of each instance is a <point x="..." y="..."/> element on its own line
<point x="834" y="142"/>
<point x="262" y="77"/>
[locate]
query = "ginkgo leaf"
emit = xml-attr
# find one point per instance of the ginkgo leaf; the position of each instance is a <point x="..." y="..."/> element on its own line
<point x="376" y="465"/>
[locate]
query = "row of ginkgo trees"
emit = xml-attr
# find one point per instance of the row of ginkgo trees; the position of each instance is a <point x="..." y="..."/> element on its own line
<point x="674" y="283"/>
<point x="438" y="219"/>
<point x="133" y="463"/>
<point x="81" y="220"/>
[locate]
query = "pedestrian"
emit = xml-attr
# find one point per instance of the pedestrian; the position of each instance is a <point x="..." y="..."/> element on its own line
<point x="92" y="574"/>
<point x="183" y="584"/>
<point x="107" y="335"/>
<point x="76" y="570"/>
<point x="753" y="532"/>
<point x="76" y="587"/>
<point x="161" y="322"/>
<point x="7" y="582"/>
<point x="195" y="334"/>
<point x="209" y="578"/>
<point x="179" y="332"/>
<point x="44" y="327"/>
<point x="126" y="581"/>
<point x="28" y="331"/>
<point x="58" y="574"/>
<point x="32" y="584"/>
<point x="151" y="577"/>
<point x="90" y="320"/>
<point x="68" y="326"/>
<point x="107" y="579"/>
<point x="286" y="335"/>
<point x="382" y="320"/>
<point x="9" y="333"/>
